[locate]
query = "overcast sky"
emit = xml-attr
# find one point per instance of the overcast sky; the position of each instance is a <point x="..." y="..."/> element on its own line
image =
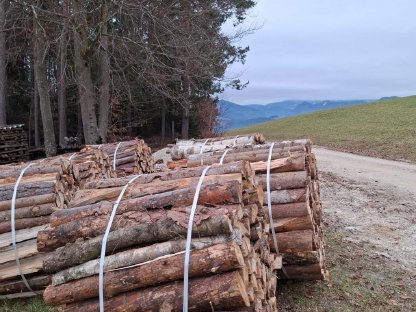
<point x="328" y="49"/>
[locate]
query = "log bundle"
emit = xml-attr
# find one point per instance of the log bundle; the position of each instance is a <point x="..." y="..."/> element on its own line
<point x="13" y="144"/>
<point x="295" y="200"/>
<point x="231" y="265"/>
<point x="43" y="189"/>
<point x="183" y="148"/>
<point x="131" y="157"/>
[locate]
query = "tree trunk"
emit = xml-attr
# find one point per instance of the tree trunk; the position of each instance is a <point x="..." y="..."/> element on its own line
<point x="62" y="106"/>
<point x="185" y="108"/>
<point x="104" y="103"/>
<point x="39" y="51"/>
<point x="36" y="115"/>
<point x="83" y="74"/>
<point x="3" y="62"/>
<point x="163" y="125"/>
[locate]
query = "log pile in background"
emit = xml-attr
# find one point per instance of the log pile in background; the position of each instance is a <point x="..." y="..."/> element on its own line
<point x="183" y="148"/>
<point x="231" y="266"/>
<point x="133" y="157"/>
<point x="295" y="200"/>
<point x="13" y="144"/>
<point x="42" y="190"/>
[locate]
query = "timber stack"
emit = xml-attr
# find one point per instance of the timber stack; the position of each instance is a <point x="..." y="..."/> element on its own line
<point x="42" y="190"/>
<point x="231" y="266"/>
<point x="127" y="157"/>
<point x="295" y="198"/>
<point x="13" y="144"/>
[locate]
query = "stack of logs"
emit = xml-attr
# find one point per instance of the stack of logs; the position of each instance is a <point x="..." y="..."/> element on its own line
<point x="131" y="157"/>
<point x="231" y="266"/>
<point x="295" y="198"/>
<point x="46" y="186"/>
<point x="41" y="191"/>
<point x="13" y="144"/>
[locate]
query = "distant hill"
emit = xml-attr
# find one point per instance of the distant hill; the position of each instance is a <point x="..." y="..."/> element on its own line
<point x="236" y="116"/>
<point x="386" y="128"/>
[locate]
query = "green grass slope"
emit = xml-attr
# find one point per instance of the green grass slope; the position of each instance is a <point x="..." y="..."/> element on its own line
<point x="384" y="129"/>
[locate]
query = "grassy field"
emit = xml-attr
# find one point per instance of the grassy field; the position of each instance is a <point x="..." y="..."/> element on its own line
<point x="384" y="129"/>
<point x="24" y="305"/>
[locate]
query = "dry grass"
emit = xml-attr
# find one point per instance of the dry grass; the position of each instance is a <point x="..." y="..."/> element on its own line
<point x="385" y="129"/>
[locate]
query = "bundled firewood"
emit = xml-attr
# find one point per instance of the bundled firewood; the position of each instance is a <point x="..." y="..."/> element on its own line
<point x="229" y="269"/>
<point x="295" y="200"/>
<point x="127" y="157"/>
<point x="13" y="144"/>
<point x="183" y="148"/>
<point x="42" y="190"/>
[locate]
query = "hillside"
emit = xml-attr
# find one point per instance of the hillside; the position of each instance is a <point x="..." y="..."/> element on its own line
<point x="384" y="129"/>
<point x="237" y="116"/>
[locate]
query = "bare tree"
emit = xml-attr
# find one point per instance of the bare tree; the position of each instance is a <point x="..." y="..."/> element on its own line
<point x="39" y="52"/>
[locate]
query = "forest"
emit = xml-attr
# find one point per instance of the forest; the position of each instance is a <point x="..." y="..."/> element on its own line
<point x="102" y="71"/>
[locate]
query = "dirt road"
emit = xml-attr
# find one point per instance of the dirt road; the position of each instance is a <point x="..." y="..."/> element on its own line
<point x="369" y="209"/>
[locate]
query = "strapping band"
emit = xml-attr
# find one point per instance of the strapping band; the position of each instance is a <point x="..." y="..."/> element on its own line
<point x="235" y="140"/>
<point x="70" y="157"/>
<point x="269" y="204"/>
<point x="104" y="245"/>
<point x="115" y="155"/>
<point x="223" y="156"/>
<point x="13" y="226"/>
<point x="188" y="240"/>
<point x="203" y="145"/>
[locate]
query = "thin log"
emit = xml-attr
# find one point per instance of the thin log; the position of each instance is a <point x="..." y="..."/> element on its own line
<point x="29" y="201"/>
<point x="20" y="224"/>
<point x="29" y="212"/>
<point x="284" y="180"/>
<point x="287" y="196"/>
<point x="17" y="286"/>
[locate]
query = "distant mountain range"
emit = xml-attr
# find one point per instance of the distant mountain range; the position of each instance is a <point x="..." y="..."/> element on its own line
<point x="234" y="115"/>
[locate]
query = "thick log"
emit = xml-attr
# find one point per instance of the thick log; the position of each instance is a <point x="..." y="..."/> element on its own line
<point x="27" y="189"/>
<point x="28" y="201"/>
<point x="20" y="224"/>
<point x="220" y="292"/>
<point x="29" y="212"/>
<point x="42" y="168"/>
<point x="293" y="224"/>
<point x="137" y="256"/>
<point x="301" y="258"/>
<point x="296" y="162"/>
<point x="17" y="286"/>
<point x="287" y="196"/>
<point x="82" y="251"/>
<point x="284" y="180"/>
<point x="214" y="259"/>
<point x="289" y="210"/>
<point x="294" y="241"/>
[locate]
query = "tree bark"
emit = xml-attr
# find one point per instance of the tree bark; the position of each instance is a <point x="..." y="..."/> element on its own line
<point x="3" y="63"/>
<point x="36" y="113"/>
<point x="62" y="106"/>
<point x="39" y="52"/>
<point x="18" y="286"/>
<point x="83" y="74"/>
<point x="222" y="257"/>
<point x="104" y="102"/>
<point x="222" y="292"/>
<point x="81" y="251"/>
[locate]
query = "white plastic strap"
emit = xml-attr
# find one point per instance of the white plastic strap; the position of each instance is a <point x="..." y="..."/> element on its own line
<point x="13" y="226"/>
<point x="223" y="156"/>
<point x="104" y="245"/>
<point x="70" y="157"/>
<point x="269" y="204"/>
<point x="188" y="240"/>
<point x="202" y="147"/>
<point x="115" y="156"/>
<point x="99" y="146"/>
<point x="235" y="140"/>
